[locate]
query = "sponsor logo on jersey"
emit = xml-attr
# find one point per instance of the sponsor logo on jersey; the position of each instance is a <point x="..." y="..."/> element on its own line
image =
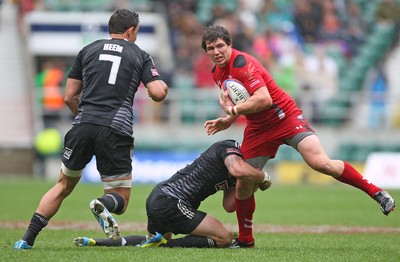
<point x="154" y="72"/>
<point x="254" y="83"/>
<point x="67" y="152"/>
<point x="222" y="185"/>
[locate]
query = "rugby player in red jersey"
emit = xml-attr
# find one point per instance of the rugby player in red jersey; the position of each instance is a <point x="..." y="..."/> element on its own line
<point x="273" y="119"/>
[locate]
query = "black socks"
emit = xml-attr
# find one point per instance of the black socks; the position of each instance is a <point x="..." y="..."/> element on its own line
<point x="38" y="222"/>
<point x="191" y="241"/>
<point x="114" y="202"/>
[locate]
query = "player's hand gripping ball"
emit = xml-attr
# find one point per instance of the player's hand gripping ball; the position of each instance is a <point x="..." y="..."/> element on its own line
<point x="236" y="91"/>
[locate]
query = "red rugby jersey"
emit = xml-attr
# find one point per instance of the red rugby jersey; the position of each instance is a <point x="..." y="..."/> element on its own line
<point x="253" y="75"/>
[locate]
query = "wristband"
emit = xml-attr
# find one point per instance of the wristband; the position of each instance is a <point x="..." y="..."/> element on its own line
<point x="266" y="183"/>
<point x="230" y="110"/>
<point x="233" y="111"/>
<point x="267" y="178"/>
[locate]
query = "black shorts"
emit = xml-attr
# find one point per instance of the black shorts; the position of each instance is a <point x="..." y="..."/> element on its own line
<point x="169" y="214"/>
<point x="113" y="150"/>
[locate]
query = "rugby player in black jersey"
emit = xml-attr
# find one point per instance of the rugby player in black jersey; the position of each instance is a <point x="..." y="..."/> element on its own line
<point x="172" y="206"/>
<point x="100" y="90"/>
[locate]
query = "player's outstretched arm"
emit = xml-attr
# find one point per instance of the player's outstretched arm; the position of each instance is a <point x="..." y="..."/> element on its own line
<point x="214" y="126"/>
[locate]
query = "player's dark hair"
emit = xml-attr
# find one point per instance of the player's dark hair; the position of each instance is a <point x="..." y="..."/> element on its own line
<point x="121" y="20"/>
<point x="213" y="33"/>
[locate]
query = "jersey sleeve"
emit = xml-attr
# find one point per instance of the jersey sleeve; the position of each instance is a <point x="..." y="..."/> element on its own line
<point x="150" y="72"/>
<point x="251" y="77"/>
<point x="229" y="147"/>
<point x="76" y="70"/>
<point x="249" y="71"/>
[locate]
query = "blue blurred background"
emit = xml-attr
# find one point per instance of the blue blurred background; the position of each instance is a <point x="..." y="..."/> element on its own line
<point x="339" y="59"/>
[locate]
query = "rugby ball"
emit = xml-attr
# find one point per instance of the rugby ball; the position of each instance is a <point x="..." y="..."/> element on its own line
<point x="236" y="91"/>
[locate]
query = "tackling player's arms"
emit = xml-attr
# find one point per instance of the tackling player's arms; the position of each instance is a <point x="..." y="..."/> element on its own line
<point x="238" y="168"/>
<point x="249" y="175"/>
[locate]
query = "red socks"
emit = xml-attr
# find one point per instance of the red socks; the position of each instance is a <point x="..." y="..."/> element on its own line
<point x="351" y="177"/>
<point x="244" y="213"/>
<point x="245" y="208"/>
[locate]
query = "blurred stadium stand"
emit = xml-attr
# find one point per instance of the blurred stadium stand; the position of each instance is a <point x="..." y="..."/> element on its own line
<point x="343" y="123"/>
<point x="16" y="116"/>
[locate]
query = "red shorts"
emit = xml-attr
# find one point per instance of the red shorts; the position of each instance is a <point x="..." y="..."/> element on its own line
<point x="265" y="141"/>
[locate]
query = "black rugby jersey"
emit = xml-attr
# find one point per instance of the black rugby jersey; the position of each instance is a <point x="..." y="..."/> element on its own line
<point x="206" y="175"/>
<point x="111" y="71"/>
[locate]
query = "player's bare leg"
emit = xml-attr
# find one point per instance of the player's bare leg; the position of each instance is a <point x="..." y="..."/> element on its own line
<point x="313" y="153"/>
<point x="47" y="208"/>
<point x="52" y="200"/>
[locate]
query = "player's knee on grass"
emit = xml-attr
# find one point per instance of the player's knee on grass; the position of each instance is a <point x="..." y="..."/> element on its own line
<point x="224" y="240"/>
<point x="222" y="237"/>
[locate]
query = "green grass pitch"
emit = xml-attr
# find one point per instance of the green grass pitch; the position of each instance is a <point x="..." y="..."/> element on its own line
<point x="291" y="223"/>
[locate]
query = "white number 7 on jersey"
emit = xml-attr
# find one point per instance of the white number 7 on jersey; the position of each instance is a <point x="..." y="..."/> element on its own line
<point x="116" y="61"/>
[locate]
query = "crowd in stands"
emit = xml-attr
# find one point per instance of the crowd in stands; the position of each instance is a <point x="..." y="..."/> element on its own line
<point x="305" y="44"/>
